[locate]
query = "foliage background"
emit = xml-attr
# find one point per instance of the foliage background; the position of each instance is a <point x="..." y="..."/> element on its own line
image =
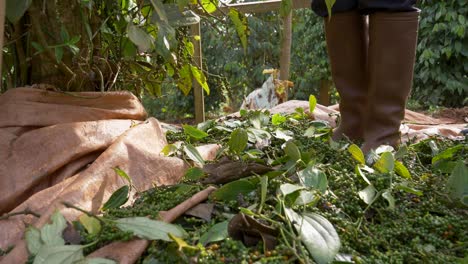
<point x="113" y="61"/>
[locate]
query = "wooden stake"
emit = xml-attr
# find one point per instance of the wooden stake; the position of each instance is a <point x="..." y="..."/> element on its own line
<point x="197" y="89"/>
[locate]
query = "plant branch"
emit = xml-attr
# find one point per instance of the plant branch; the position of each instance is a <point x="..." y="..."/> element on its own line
<point x="26" y="211"/>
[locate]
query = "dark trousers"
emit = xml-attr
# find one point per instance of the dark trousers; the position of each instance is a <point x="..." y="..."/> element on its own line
<point x="364" y="6"/>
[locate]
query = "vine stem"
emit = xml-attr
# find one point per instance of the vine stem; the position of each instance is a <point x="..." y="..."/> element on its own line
<point x="26" y="211"/>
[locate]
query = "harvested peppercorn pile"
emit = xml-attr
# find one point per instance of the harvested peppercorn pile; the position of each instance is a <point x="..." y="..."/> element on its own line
<point x="286" y="192"/>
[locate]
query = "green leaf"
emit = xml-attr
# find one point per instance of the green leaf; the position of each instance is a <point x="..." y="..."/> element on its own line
<point x="150" y="229"/>
<point x="74" y="40"/>
<point x="64" y="34"/>
<point x="33" y="240"/>
<point x="184" y="83"/>
<point x="37" y="46"/>
<point x="310" y="132"/>
<point x="200" y="78"/>
<point x="117" y="199"/>
<point x="58" y="54"/>
<point x="238" y="140"/>
<point x="288" y="188"/>
<point x="160" y="10"/>
<point x="194" y="132"/>
<point x="138" y="36"/>
<point x="209" y="5"/>
<point x="446" y="154"/>
<point x="123" y="175"/>
<point x="313" y="177"/>
<point x="91" y="224"/>
<point x="358" y="169"/>
<point x="368" y="194"/>
<point x="169" y="149"/>
<point x="193" y="154"/>
<point x="312" y="103"/>
<point x="285" y="7"/>
<point x="59" y="255"/>
<point x="51" y="234"/>
<point x="292" y="151"/>
<point x="401" y="170"/>
<point x="387" y="194"/>
<point x="194" y="174"/>
<point x="407" y="189"/>
<point x="218" y="232"/>
<point x="15" y="9"/>
<point x="386" y="163"/>
<point x="286" y="135"/>
<point x="232" y="190"/>
<point x="330" y="4"/>
<point x="306" y="197"/>
<point x="318" y="235"/>
<point x="177" y="18"/>
<point x="357" y="154"/>
<point x="241" y="25"/>
<point x="278" y="119"/>
<point x="457" y="184"/>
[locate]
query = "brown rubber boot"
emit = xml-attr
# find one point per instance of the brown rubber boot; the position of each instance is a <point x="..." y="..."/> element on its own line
<point x="346" y="35"/>
<point x="392" y="48"/>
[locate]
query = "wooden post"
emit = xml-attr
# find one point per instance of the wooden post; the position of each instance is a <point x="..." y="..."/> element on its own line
<point x="285" y="57"/>
<point x="324" y="93"/>
<point x="197" y="89"/>
<point x="2" y="30"/>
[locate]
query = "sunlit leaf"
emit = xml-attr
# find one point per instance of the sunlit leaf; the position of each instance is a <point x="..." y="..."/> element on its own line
<point x="123" y="175"/>
<point x="288" y="188"/>
<point x="330" y="4"/>
<point x="401" y="170"/>
<point x="200" y="78"/>
<point x="385" y="163"/>
<point x="312" y="103"/>
<point x="181" y="244"/>
<point x="91" y="224"/>
<point x="194" y="132"/>
<point x="209" y="5"/>
<point x="169" y="149"/>
<point x="446" y="154"/>
<point x="357" y="154"/>
<point x="241" y="25"/>
<point x="278" y="119"/>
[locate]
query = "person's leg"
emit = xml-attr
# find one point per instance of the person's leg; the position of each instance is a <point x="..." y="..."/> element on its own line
<point x="392" y="48"/>
<point x="346" y="36"/>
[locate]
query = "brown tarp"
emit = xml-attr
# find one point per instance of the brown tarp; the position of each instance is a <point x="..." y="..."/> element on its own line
<point x="57" y="147"/>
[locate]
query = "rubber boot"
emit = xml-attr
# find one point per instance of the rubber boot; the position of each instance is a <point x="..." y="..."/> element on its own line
<point x="392" y="48"/>
<point x="346" y="36"/>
